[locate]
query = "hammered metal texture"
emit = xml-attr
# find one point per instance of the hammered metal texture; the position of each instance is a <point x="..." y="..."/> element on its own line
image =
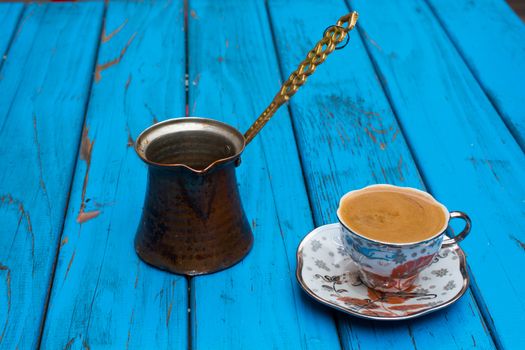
<point x="193" y="224"/>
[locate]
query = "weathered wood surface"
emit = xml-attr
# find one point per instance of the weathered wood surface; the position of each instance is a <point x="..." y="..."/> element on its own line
<point x="465" y="153"/>
<point x="349" y="138"/>
<point x="103" y="296"/>
<point x="491" y="39"/>
<point x="9" y="16"/>
<point x="257" y="304"/>
<point x="43" y="88"/>
<point x="399" y="98"/>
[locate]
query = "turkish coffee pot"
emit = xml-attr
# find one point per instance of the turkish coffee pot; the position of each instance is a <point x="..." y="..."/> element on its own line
<point x="192" y="220"/>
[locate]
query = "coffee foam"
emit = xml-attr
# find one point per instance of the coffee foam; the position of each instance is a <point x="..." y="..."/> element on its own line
<point x="392" y="214"/>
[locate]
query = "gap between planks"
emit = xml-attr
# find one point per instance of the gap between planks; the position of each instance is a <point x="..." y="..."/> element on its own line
<point x="79" y="142"/>
<point x="189" y="279"/>
<point x="473" y="286"/>
<point x="476" y="77"/>
<point x="13" y="36"/>
<point x="296" y="144"/>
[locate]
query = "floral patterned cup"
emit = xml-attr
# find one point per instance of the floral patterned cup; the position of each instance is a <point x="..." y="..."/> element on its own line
<point x="393" y="267"/>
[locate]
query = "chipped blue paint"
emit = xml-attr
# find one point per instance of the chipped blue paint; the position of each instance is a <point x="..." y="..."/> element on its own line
<point x="349" y="138"/>
<point x="103" y="295"/>
<point x="233" y="75"/>
<point x="43" y="88"/>
<point x="491" y="40"/>
<point x="465" y="152"/>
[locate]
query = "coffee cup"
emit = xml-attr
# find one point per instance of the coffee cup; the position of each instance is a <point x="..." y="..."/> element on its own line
<point x="392" y="233"/>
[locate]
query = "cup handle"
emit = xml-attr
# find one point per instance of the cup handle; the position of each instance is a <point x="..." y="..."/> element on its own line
<point x="460" y="236"/>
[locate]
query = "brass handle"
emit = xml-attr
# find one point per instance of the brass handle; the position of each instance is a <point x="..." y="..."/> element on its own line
<point x="332" y="37"/>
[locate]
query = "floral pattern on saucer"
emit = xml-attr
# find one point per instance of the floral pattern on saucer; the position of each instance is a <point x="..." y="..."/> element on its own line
<point x="327" y="273"/>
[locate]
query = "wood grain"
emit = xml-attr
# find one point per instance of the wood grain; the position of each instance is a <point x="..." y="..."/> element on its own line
<point x="9" y="16"/>
<point x="257" y="304"/>
<point x="466" y="154"/>
<point x="491" y="39"/>
<point x="359" y="120"/>
<point x="44" y="85"/>
<point x="348" y="138"/>
<point x="103" y="295"/>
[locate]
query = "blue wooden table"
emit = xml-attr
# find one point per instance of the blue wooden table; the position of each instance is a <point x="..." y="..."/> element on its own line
<point x="429" y="94"/>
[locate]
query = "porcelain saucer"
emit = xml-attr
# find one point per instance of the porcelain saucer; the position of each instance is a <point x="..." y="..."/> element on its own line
<point x="326" y="272"/>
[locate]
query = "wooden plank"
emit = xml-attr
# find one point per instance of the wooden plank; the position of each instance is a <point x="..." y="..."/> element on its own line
<point x="491" y="39"/>
<point x="349" y="138"/>
<point x="466" y="154"/>
<point x="9" y="16"/>
<point x="103" y="296"/>
<point x="44" y="85"/>
<point x="256" y="304"/>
